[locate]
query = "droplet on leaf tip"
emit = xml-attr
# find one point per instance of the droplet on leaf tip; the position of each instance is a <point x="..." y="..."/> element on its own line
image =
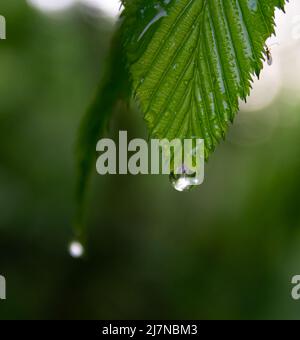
<point x="184" y="180"/>
<point x="180" y="182"/>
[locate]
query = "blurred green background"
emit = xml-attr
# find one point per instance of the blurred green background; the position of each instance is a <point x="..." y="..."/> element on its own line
<point x="227" y="250"/>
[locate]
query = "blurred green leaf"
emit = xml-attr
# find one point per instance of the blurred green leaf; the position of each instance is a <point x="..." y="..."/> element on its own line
<point x="113" y="88"/>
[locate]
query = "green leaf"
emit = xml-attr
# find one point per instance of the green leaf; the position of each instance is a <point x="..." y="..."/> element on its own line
<point x="192" y="60"/>
<point x="113" y="88"/>
<point x="189" y="62"/>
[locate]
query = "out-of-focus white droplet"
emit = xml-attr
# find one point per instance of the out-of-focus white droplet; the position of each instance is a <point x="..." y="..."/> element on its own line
<point x="76" y="249"/>
<point x="112" y="8"/>
<point x="51" y="5"/>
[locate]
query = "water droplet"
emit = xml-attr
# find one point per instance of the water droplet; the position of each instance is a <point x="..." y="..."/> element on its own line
<point x="76" y="249"/>
<point x="184" y="180"/>
<point x="180" y="182"/>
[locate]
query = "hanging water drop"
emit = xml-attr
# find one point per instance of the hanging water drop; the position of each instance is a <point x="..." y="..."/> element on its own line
<point x="76" y="249"/>
<point x="184" y="179"/>
<point x="180" y="182"/>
